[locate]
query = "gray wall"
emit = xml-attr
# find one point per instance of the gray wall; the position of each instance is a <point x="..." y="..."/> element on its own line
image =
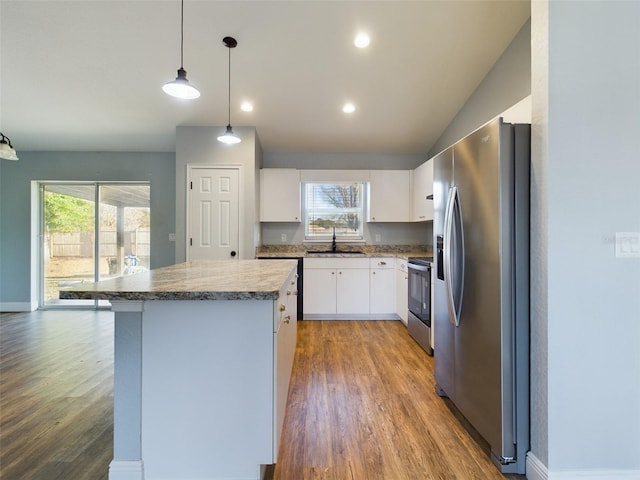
<point x="419" y="233"/>
<point x="508" y="82"/>
<point x="343" y="161"/>
<point x="15" y="204"/>
<point x="199" y="145"/>
<point x="586" y="170"/>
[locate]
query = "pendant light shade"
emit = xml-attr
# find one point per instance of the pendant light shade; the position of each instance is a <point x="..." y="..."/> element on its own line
<point x="228" y="136"/>
<point x="6" y="149"/>
<point x="180" y="87"/>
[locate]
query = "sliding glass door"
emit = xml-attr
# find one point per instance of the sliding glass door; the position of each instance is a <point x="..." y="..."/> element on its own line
<point x="91" y="232"/>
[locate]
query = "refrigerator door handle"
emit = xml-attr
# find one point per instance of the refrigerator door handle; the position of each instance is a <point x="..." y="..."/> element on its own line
<point x="454" y="256"/>
<point x="447" y="256"/>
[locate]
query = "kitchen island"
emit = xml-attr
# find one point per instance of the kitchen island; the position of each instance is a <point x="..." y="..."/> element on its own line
<point x="202" y="361"/>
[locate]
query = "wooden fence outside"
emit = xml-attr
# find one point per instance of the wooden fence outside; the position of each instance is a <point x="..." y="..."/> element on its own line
<point x="136" y="242"/>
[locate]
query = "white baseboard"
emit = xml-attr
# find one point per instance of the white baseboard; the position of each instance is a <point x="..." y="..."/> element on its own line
<point x="16" y="307"/>
<point x="536" y="470"/>
<point x="126" y="470"/>
<point x="595" y="475"/>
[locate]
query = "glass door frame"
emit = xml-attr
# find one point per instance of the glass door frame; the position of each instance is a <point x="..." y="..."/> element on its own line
<point x="73" y="304"/>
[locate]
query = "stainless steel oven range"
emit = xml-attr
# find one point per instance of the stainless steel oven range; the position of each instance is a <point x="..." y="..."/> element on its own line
<point x="419" y="324"/>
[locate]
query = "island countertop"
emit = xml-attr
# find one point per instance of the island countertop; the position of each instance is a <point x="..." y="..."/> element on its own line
<point x="193" y="280"/>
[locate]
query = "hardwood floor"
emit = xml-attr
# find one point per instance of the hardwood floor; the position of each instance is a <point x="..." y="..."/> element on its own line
<point x="361" y="404"/>
<point x="56" y="404"/>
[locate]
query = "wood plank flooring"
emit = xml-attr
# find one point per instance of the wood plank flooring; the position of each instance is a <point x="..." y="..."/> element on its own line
<point x="361" y="404"/>
<point x="56" y="404"/>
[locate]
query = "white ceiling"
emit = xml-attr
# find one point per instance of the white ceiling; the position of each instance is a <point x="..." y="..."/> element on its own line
<point x="87" y="75"/>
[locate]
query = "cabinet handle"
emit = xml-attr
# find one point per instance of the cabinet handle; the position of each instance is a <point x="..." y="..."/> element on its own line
<point x="373" y="218"/>
<point x="283" y="307"/>
<point x="333" y="273"/>
<point x="288" y="292"/>
<point x="287" y="319"/>
<point x="382" y="263"/>
<point x="422" y="216"/>
<point x="373" y="273"/>
<point x="340" y="273"/>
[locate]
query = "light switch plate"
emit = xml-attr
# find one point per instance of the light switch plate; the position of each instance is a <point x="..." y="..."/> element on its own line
<point x="283" y="237"/>
<point x="628" y="244"/>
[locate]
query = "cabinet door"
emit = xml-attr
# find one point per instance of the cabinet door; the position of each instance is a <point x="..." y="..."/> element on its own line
<point x="319" y="291"/>
<point x="279" y="195"/>
<point x="389" y="196"/>
<point x="383" y="290"/>
<point x="352" y="290"/>
<point x="422" y="187"/>
<point x="285" y="346"/>
<point x="402" y="294"/>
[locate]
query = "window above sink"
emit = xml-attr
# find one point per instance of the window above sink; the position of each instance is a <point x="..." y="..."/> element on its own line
<point x="333" y="205"/>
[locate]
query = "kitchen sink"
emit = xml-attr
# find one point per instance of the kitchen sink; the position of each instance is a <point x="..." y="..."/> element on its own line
<point x="341" y="252"/>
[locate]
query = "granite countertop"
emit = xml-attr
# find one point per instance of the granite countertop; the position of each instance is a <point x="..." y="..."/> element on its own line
<point x="195" y="280"/>
<point x="368" y="251"/>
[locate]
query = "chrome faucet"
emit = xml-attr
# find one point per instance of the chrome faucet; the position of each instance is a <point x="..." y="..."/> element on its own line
<point x="333" y="243"/>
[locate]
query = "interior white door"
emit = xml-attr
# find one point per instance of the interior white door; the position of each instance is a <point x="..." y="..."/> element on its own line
<point x="213" y="214"/>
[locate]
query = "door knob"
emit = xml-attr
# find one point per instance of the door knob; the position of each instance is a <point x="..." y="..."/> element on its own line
<point x="233" y="253"/>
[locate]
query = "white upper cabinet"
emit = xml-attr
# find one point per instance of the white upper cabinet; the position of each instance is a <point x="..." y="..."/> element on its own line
<point x="280" y="195"/>
<point x="389" y="196"/>
<point x="422" y="188"/>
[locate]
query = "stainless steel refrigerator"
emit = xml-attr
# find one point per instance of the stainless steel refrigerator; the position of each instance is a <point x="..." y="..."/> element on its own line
<point x="481" y="285"/>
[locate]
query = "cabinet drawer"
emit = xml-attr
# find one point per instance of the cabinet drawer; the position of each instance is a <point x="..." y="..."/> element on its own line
<point x="382" y="262"/>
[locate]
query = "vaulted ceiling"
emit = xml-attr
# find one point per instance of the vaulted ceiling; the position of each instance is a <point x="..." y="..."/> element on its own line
<point x="87" y="75"/>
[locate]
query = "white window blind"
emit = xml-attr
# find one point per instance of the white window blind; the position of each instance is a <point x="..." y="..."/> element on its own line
<point x="336" y="205"/>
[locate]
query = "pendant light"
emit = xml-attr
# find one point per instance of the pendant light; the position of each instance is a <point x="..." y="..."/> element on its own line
<point x="6" y="149"/>
<point x="228" y="136"/>
<point x="180" y="87"/>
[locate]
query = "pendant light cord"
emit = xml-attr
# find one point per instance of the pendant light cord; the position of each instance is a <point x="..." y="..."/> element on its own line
<point x="182" y="34"/>
<point x="229" y="91"/>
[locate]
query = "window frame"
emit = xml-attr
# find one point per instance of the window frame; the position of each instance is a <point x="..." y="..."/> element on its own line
<point x="340" y="236"/>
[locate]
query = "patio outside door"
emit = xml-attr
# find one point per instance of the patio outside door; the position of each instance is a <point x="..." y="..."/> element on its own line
<point x="91" y="232"/>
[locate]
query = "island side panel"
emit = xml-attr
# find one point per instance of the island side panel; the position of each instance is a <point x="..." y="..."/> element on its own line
<point x="207" y="389"/>
<point x="127" y="392"/>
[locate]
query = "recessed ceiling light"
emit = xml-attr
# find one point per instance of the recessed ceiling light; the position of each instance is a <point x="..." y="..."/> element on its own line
<point x="349" y="108"/>
<point x="246" y="107"/>
<point x="362" y="40"/>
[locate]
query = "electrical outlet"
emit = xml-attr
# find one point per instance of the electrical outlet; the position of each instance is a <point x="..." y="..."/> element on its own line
<point x="172" y="237"/>
<point x="628" y="244"/>
<point x="283" y="237"/>
<point x="378" y="238"/>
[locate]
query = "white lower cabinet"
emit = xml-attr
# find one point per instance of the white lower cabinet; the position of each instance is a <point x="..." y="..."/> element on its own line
<point x="402" y="290"/>
<point x="284" y="344"/>
<point x="352" y="290"/>
<point x="338" y="287"/>
<point x="382" y="286"/>
<point x="335" y="286"/>
<point x="320" y="291"/>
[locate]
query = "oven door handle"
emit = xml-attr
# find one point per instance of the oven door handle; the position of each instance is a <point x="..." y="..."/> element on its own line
<point x="420" y="268"/>
<point x="454" y="256"/>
